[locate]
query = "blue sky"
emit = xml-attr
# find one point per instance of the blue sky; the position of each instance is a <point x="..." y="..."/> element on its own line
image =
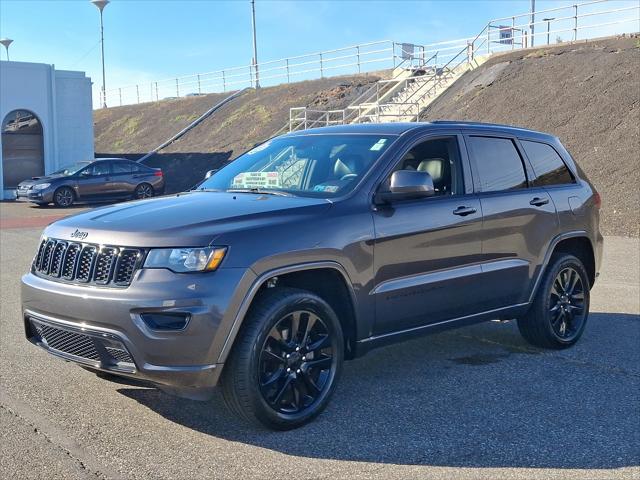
<point x="150" y="40"/>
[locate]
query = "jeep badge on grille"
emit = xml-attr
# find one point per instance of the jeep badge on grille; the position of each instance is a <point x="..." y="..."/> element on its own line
<point x="79" y="235"/>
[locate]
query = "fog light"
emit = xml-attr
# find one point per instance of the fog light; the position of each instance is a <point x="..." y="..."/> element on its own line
<point x="166" y="321"/>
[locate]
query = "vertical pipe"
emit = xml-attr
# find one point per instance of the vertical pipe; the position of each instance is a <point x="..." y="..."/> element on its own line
<point x="120" y="94"/>
<point x="287" y="60"/>
<point x="177" y="89"/>
<point x="533" y="21"/>
<point x="157" y="96"/>
<point x="199" y="89"/>
<point x="321" y="71"/>
<point x="255" y="44"/>
<point x="575" y="23"/>
<point x="137" y="93"/>
<point x="104" y="88"/>
<point x="488" y="39"/>
<point x="513" y="33"/>
<point x="224" y="82"/>
<point x="358" y="56"/>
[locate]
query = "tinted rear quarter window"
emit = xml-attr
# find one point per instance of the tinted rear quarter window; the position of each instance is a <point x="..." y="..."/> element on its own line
<point x="547" y="164"/>
<point x="121" y="167"/>
<point x="499" y="164"/>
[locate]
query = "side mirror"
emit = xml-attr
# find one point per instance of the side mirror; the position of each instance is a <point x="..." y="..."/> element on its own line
<point x="210" y="173"/>
<point x="407" y="185"/>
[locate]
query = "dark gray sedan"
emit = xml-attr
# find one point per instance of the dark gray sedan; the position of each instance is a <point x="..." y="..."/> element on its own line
<point x="98" y="180"/>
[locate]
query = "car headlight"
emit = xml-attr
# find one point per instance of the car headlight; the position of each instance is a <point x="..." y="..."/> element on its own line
<point x="181" y="260"/>
<point x="41" y="186"/>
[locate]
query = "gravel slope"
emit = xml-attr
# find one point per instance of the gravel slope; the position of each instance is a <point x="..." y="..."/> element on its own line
<point x="586" y="93"/>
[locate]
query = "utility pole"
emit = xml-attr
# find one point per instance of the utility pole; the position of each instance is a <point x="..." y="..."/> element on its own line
<point x="255" y="44"/>
<point x="100" y="4"/>
<point x="533" y="21"/>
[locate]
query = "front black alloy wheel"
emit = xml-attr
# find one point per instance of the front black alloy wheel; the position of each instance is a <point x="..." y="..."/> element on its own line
<point x="286" y="360"/>
<point x="558" y="315"/>
<point x="63" y="197"/>
<point x="297" y="362"/>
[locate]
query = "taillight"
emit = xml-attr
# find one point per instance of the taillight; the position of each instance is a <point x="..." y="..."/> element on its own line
<point x="158" y="173"/>
<point x="597" y="200"/>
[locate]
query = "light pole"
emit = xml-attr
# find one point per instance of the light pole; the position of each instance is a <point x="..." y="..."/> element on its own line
<point x="101" y="4"/>
<point x="548" y="20"/>
<point x="255" y="44"/>
<point x="6" y="42"/>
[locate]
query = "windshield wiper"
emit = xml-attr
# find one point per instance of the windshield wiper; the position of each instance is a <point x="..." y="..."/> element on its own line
<point x="260" y="191"/>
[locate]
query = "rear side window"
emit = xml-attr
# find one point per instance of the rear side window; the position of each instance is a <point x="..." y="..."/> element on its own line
<point x="499" y="164"/>
<point x="121" y="167"/>
<point x="547" y="164"/>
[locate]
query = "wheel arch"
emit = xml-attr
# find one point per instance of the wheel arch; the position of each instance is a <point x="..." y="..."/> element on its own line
<point x="575" y="243"/>
<point x="329" y="280"/>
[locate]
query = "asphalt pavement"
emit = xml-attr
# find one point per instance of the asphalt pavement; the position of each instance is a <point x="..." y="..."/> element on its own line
<point x="472" y="403"/>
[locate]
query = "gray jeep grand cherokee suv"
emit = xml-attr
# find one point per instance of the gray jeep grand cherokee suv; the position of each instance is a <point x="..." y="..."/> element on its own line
<point x="316" y="247"/>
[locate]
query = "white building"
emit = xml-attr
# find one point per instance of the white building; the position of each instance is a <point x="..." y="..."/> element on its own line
<point x="47" y="121"/>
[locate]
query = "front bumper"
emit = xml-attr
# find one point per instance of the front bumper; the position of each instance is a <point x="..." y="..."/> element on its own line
<point x="103" y="329"/>
<point x="38" y="196"/>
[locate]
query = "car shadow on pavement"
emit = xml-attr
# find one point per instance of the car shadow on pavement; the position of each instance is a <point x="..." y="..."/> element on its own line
<point x="473" y="397"/>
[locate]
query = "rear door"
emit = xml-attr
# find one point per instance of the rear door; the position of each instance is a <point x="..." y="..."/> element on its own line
<point x="427" y="251"/>
<point x="122" y="177"/>
<point x="518" y="219"/>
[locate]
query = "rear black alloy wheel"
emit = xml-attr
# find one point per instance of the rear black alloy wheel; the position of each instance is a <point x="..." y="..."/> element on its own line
<point x="567" y="304"/>
<point x="144" y="190"/>
<point x="63" y="197"/>
<point x="558" y="315"/>
<point x="286" y="360"/>
<point x="296" y="362"/>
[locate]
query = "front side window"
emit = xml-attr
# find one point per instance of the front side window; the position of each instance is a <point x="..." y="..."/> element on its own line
<point x="547" y="164"/>
<point x="440" y="158"/>
<point x="98" y="168"/>
<point x="71" y="169"/>
<point x="498" y="163"/>
<point x="306" y="165"/>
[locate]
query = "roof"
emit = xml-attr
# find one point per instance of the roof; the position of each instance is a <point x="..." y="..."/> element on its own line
<point x="398" y="128"/>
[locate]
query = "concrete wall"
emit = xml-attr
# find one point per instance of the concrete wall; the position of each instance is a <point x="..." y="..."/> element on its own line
<point x="62" y="102"/>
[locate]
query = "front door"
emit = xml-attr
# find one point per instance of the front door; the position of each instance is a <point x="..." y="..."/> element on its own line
<point x="95" y="181"/>
<point x="427" y="251"/>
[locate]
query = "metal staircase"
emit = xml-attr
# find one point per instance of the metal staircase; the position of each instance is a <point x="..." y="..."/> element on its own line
<point x="414" y="84"/>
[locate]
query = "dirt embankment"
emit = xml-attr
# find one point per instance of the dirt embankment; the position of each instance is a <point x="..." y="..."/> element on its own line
<point x="586" y="93"/>
<point x="133" y="130"/>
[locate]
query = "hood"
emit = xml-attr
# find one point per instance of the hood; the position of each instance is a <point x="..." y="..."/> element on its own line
<point x="35" y="180"/>
<point x="187" y="219"/>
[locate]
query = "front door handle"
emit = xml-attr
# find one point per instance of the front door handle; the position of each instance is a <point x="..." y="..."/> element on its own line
<point x="538" y="202"/>
<point x="463" y="211"/>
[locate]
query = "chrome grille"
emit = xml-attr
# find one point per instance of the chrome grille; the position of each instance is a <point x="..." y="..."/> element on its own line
<point x="87" y="263"/>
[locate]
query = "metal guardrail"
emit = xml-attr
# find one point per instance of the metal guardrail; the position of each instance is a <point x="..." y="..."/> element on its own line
<point x="576" y="21"/>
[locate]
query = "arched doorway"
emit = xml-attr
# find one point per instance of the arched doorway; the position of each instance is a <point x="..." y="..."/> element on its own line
<point x="22" y="148"/>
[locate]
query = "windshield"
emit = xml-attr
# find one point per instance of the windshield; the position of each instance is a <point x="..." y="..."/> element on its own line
<point x="310" y="165"/>
<point x="71" y="169"/>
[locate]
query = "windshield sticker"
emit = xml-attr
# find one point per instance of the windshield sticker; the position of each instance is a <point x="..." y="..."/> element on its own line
<point x="256" y="180"/>
<point x="325" y="188"/>
<point x="259" y="148"/>
<point x="378" y="145"/>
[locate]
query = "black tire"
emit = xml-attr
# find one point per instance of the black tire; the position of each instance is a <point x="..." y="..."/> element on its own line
<point x="142" y="191"/>
<point x="558" y="316"/>
<point x="266" y="402"/>
<point x="64" y="197"/>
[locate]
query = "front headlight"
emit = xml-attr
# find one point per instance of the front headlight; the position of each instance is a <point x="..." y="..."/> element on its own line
<point x="41" y="186"/>
<point x="181" y="260"/>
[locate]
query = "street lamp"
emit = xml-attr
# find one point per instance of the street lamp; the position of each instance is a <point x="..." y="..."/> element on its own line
<point x="6" y="42"/>
<point x="548" y="20"/>
<point x="101" y="4"/>
<point x="255" y="45"/>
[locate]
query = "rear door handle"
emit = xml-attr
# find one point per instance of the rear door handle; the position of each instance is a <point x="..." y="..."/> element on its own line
<point x="463" y="211"/>
<point x="538" y="202"/>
